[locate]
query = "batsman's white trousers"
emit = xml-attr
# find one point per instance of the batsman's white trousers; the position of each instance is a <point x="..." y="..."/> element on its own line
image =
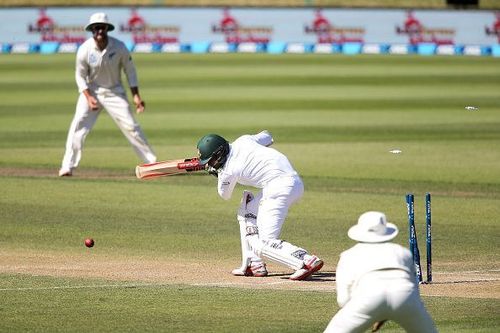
<point x="117" y="107"/>
<point x="277" y="197"/>
<point x="383" y="295"/>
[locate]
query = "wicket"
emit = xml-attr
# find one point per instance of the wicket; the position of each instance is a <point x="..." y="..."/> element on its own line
<point x="413" y="236"/>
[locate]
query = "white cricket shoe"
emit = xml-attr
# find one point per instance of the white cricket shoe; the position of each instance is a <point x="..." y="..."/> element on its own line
<point x="311" y="265"/>
<point x="257" y="269"/>
<point x="65" y="172"/>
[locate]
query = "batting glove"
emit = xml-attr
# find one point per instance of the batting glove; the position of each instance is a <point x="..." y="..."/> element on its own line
<point x="212" y="171"/>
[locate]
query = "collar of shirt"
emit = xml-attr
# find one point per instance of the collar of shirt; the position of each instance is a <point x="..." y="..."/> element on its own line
<point x="109" y="46"/>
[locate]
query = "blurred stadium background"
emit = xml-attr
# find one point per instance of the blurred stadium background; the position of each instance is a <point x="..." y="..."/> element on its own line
<point x="436" y="4"/>
<point x="427" y="27"/>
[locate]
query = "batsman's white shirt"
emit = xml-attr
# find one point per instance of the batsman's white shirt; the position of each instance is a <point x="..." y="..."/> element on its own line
<point x="377" y="281"/>
<point x="252" y="163"/>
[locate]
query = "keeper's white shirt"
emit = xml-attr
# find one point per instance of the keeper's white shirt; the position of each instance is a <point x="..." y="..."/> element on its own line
<point x="251" y="162"/>
<point x="375" y="282"/>
<point x="100" y="71"/>
<point x="358" y="268"/>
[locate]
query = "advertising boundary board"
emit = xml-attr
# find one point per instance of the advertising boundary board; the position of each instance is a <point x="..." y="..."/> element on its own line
<point x="258" y="30"/>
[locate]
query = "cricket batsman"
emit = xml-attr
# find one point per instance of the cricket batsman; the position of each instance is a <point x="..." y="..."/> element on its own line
<point x="250" y="161"/>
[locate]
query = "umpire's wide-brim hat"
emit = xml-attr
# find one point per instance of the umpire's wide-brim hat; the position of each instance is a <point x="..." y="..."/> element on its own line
<point x="373" y="227"/>
<point x="99" y="18"/>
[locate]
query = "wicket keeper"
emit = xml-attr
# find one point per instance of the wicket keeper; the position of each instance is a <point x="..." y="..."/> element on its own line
<point x="376" y="282"/>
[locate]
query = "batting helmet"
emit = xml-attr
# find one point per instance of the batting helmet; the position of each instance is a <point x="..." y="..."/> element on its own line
<point x="213" y="150"/>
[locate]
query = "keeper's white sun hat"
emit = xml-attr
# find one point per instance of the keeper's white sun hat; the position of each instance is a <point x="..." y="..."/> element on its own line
<point x="373" y="227"/>
<point x="99" y="18"/>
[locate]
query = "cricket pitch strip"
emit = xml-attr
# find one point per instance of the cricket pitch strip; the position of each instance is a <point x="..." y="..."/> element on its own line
<point x="157" y="272"/>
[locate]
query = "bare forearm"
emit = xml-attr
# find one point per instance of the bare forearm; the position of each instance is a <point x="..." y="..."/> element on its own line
<point x="91" y="100"/>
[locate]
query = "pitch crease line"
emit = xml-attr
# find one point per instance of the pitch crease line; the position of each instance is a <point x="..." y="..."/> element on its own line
<point x="97" y="286"/>
<point x="469" y="272"/>
<point x="102" y="286"/>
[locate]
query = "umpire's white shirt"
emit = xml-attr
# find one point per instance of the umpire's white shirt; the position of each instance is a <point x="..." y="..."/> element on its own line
<point x="251" y="162"/>
<point x="100" y="71"/>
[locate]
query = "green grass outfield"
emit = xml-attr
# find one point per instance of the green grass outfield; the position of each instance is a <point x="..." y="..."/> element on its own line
<point x="336" y="117"/>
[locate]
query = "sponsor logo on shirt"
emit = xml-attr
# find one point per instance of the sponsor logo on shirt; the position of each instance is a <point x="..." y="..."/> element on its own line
<point x="93" y="59"/>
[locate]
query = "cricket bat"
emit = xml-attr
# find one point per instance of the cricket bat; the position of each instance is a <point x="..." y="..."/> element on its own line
<point x="168" y="168"/>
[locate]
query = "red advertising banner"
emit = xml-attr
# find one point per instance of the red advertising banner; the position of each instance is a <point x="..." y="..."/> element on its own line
<point x="326" y="32"/>
<point x="494" y="29"/>
<point x="143" y="32"/>
<point x="50" y="31"/>
<point x="235" y="32"/>
<point x="418" y="33"/>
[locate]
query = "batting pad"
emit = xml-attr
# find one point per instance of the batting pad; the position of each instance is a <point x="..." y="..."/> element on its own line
<point x="247" y="220"/>
<point x="249" y="205"/>
<point x="247" y="255"/>
<point x="279" y="251"/>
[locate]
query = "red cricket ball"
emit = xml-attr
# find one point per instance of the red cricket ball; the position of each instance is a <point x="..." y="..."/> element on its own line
<point x="89" y="242"/>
